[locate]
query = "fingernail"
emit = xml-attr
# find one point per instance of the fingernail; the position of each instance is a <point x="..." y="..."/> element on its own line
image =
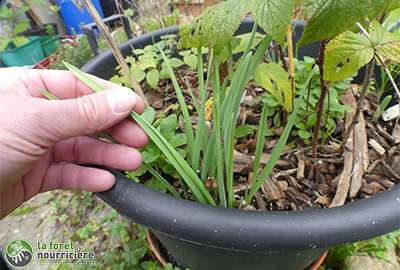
<point x="121" y="100"/>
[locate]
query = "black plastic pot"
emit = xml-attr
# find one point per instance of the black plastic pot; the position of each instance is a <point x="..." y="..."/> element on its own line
<point x="205" y="238"/>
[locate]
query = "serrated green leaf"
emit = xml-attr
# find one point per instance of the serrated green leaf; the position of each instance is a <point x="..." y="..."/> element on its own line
<point x="175" y="62"/>
<point x="139" y="74"/>
<point x="273" y="78"/>
<point x="185" y="52"/>
<point x="150" y="48"/>
<point x="21" y="26"/>
<point x="119" y="80"/>
<point x="138" y="51"/>
<point x="345" y="55"/>
<point x="311" y="120"/>
<point x="149" y="114"/>
<point x="164" y="73"/>
<point x="190" y="60"/>
<point x="153" y="78"/>
<point x="157" y="185"/>
<point x="387" y="44"/>
<point x="215" y="26"/>
<point x="146" y="61"/>
<point x="178" y="140"/>
<point x="244" y="130"/>
<point x="150" y="153"/>
<point x="304" y="134"/>
<point x="273" y="16"/>
<point x="333" y="17"/>
<point x="168" y="125"/>
<point x="392" y="5"/>
<point x="349" y="51"/>
<point x="301" y="125"/>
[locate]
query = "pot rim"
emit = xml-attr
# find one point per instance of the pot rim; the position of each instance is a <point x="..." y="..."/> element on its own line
<point x="255" y="231"/>
<point x="249" y="231"/>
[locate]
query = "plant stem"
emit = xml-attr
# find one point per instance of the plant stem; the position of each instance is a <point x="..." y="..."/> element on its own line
<point x="282" y="57"/>
<point x="366" y="83"/>
<point x="289" y="36"/>
<point x="324" y="91"/>
<point x="115" y="49"/>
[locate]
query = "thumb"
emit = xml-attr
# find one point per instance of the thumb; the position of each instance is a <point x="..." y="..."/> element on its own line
<point x="87" y="114"/>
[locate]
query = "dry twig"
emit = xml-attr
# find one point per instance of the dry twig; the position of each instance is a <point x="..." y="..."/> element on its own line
<point x="115" y="49"/>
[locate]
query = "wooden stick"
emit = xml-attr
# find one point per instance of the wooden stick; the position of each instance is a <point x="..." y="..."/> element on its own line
<point x="360" y="102"/>
<point x="360" y="156"/>
<point x="344" y="178"/>
<point x="115" y="49"/>
<point x="289" y="36"/>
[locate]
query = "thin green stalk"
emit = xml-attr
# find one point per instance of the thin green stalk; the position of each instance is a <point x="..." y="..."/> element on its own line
<point x="229" y="148"/>
<point x="201" y="132"/>
<point x="48" y="95"/>
<point x="182" y="104"/>
<point x="252" y="37"/>
<point x="217" y="128"/>
<point x="381" y="108"/>
<point x="207" y="168"/>
<point x="193" y="97"/>
<point x="234" y="95"/>
<point x="162" y="180"/>
<point x="241" y="77"/>
<point x="260" y="141"/>
<point x="230" y="60"/>
<point x="276" y="153"/>
<point x="83" y="77"/>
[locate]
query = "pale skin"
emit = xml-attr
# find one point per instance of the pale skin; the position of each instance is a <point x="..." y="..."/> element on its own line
<point x="44" y="144"/>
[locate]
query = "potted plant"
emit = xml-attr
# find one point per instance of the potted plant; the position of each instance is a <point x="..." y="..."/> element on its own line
<point x="272" y="133"/>
<point x="16" y="49"/>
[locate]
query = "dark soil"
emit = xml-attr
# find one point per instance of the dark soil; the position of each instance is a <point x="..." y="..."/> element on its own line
<point x="298" y="181"/>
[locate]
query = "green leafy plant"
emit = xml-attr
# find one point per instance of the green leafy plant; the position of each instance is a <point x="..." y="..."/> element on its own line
<point x="377" y="247"/>
<point x="13" y="23"/>
<point x="147" y="64"/>
<point x="268" y="77"/>
<point x="382" y="107"/>
<point x="93" y="226"/>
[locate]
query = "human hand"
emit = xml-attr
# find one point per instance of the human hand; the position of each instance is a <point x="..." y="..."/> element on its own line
<point x="42" y="142"/>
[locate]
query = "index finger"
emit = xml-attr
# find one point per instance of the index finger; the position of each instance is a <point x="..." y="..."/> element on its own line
<point x="60" y="83"/>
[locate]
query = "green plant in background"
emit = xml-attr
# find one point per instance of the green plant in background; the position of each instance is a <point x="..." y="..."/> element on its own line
<point x="92" y="226"/>
<point x="155" y="14"/>
<point x="13" y="21"/>
<point x="147" y="64"/>
<point x="78" y="53"/>
<point x="273" y="76"/>
<point x="378" y="247"/>
<point x="151" y="24"/>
